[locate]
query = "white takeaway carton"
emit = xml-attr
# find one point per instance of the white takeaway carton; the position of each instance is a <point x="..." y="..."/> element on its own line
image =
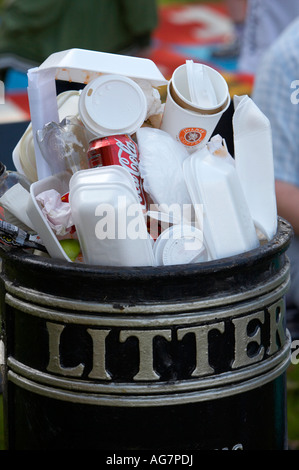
<point x="106" y="212"/>
<point x="254" y="163"/>
<point x="220" y="205"/>
<point x="90" y="184"/>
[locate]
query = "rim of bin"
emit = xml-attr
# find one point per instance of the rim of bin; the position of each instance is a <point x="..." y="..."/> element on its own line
<point x="277" y="245"/>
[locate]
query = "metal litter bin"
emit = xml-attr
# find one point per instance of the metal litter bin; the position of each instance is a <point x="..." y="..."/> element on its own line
<point x="188" y="357"/>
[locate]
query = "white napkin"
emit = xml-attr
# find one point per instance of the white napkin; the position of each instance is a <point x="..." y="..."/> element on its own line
<point x="57" y="213"/>
<point x="254" y="163"/>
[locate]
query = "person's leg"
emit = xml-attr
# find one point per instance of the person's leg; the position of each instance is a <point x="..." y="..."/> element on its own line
<point x="237" y="13"/>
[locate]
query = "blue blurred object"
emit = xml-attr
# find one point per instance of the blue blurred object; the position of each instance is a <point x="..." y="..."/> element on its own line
<point x="15" y="80"/>
<point x="10" y="135"/>
<point x="205" y="54"/>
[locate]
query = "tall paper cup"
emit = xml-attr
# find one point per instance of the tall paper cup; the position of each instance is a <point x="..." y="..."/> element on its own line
<point x="187" y="123"/>
<point x="181" y="91"/>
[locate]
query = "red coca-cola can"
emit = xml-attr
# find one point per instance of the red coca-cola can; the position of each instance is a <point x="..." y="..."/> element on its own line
<point x="117" y="150"/>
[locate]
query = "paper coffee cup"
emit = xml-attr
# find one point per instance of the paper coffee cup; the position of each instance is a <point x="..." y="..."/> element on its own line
<point x="189" y="124"/>
<point x="203" y="79"/>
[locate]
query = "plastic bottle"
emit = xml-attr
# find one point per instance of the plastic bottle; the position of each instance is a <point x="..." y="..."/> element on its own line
<point x="9" y="178"/>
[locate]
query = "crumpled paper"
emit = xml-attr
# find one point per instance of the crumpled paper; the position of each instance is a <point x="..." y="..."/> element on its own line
<point x="152" y="95"/>
<point x="57" y="213"/>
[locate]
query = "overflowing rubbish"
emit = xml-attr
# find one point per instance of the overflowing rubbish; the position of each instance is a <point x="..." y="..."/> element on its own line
<point x="129" y="172"/>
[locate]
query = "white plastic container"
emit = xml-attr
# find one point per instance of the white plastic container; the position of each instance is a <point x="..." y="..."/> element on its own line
<point x="82" y="66"/>
<point x="254" y="163"/>
<point x="110" y="174"/>
<point x="106" y="216"/>
<point x="220" y="205"/>
<point x="113" y="174"/>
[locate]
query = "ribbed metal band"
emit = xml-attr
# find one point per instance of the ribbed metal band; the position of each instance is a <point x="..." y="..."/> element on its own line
<point x="156" y="319"/>
<point x="40" y="298"/>
<point x="161" y="394"/>
<point x="152" y="393"/>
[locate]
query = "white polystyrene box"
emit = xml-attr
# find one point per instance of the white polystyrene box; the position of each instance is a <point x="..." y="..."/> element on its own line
<point x="82" y="66"/>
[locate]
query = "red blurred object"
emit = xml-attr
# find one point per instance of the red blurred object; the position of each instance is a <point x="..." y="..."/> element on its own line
<point x="117" y="150"/>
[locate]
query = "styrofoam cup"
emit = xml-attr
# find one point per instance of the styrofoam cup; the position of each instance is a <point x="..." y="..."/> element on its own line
<point x="112" y="104"/>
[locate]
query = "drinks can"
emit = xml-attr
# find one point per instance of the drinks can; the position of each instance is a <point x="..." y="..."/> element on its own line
<point x="117" y="150"/>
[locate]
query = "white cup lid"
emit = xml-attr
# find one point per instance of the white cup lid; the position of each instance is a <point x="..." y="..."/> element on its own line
<point x="180" y="244"/>
<point x="112" y="104"/>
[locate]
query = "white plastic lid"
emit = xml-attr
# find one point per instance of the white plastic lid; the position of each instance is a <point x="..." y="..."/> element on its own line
<point x="180" y="244"/>
<point x="112" y="104"/>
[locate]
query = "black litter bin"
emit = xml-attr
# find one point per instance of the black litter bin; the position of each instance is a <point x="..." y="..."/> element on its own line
<point x="177" y="358"/>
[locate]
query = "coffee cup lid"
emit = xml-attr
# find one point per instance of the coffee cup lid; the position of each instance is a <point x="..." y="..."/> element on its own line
<point x="180" y="244"/>
<point x="112" y="104"/>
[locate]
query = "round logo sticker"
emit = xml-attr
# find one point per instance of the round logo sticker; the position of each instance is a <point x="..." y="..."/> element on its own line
<point x="191" y="136"/>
